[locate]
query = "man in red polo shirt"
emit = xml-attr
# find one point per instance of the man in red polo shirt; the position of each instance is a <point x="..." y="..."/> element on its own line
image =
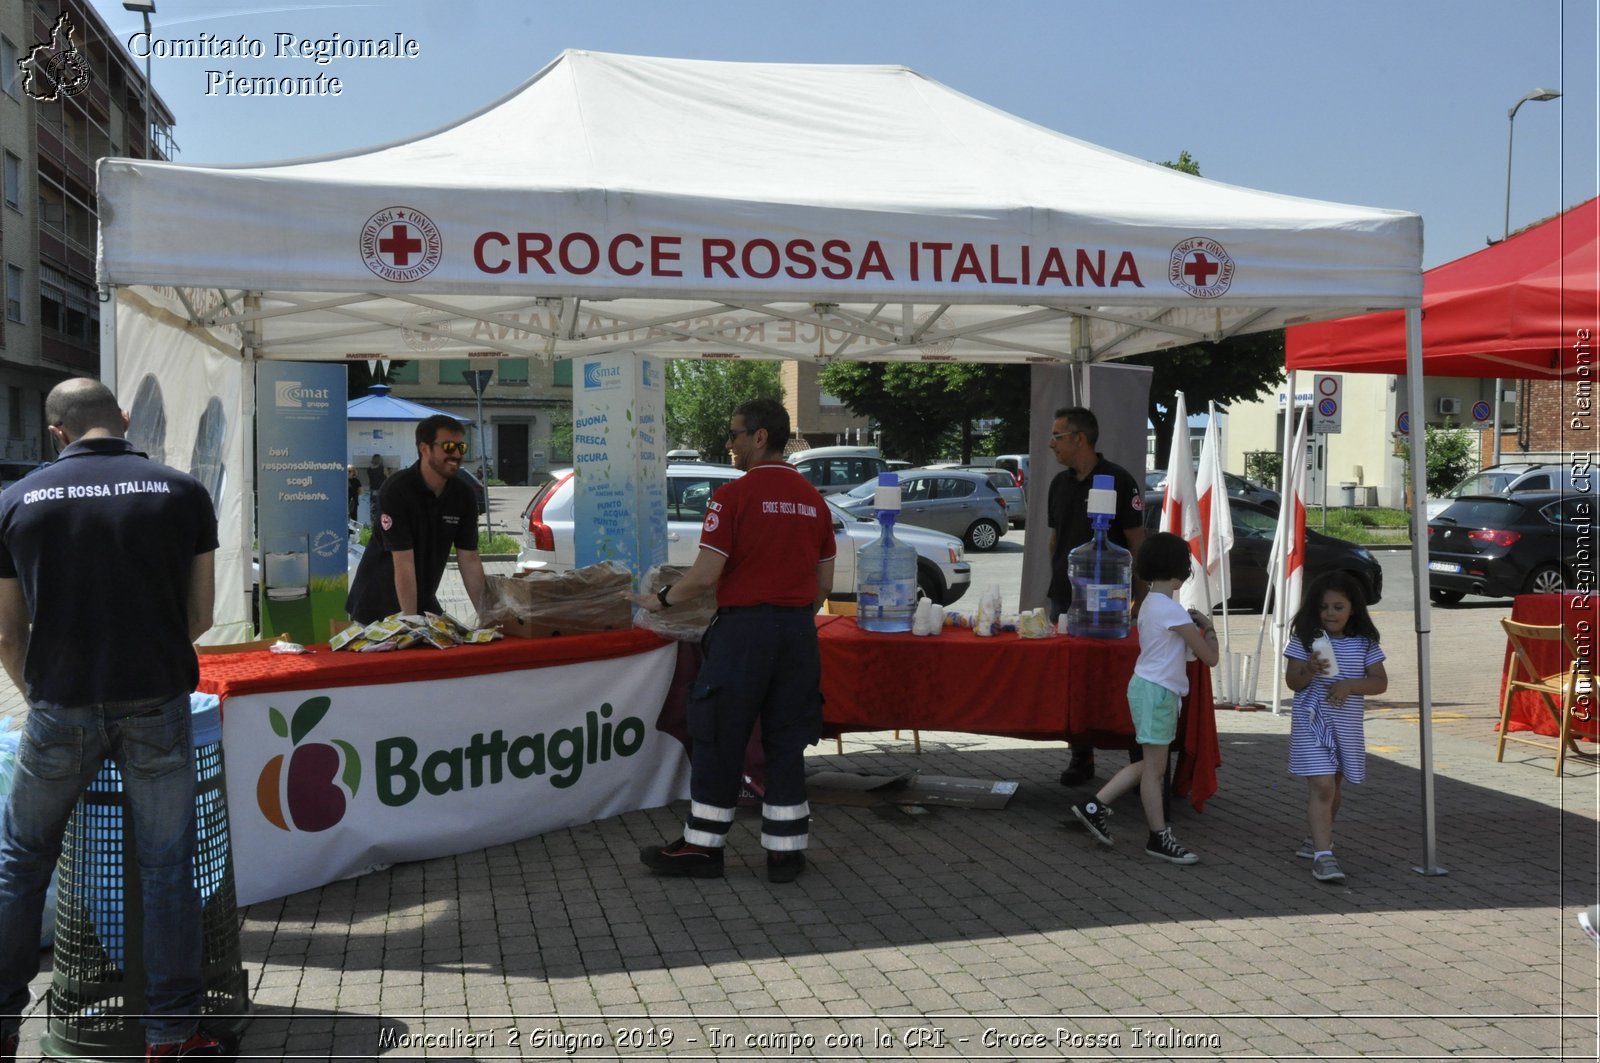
<point x="767" y="547"/>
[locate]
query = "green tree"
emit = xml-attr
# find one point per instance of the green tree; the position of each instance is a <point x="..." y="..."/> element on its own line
<point x="1450" y="457"/>
<point x="1237" y="368"/>
<point x="925" y="411"/>
<point x="702" y="394"/>
<point x="358" y="377"/>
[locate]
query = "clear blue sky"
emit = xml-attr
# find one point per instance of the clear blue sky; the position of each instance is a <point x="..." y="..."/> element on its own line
<point x="1389" y="103"/>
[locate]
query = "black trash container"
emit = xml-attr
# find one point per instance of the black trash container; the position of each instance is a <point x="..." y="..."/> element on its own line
<point x="96" y="995"/>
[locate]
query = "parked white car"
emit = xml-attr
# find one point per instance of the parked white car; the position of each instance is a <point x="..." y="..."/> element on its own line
<point x="942" y="570"/>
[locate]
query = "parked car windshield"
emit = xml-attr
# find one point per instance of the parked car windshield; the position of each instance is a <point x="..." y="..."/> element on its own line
<point x="1482" y="513"/>
<point x="1486" y="482"/>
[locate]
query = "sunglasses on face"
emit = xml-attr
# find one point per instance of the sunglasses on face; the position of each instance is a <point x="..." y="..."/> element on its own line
<point x="452" y="447"/>
<point x="1062" y="435"/>
<point x="735" y="433"/>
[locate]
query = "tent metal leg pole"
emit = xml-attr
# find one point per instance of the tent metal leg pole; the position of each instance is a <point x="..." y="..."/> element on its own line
<point x="1423" y="605"/>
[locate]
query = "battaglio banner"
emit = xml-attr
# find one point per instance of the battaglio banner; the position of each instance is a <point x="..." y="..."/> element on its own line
<point x="328" y="783"/>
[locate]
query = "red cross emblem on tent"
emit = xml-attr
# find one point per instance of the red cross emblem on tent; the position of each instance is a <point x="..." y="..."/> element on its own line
<point x="401" y="244"/>
<point x="1201" y="267"/>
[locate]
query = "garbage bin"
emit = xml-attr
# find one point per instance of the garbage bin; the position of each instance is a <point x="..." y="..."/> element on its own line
<point x="1347" y="494"/>
<point x="96" y="993"/>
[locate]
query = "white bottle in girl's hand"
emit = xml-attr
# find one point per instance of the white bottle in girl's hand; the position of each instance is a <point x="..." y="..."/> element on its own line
<point x="1322" y="645"/>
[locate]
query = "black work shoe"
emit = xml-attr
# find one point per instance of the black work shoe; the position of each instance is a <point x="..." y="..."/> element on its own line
<point x="785" y="867"/>
<point x="680" y="859"/>
<point x="1079" y="771"/>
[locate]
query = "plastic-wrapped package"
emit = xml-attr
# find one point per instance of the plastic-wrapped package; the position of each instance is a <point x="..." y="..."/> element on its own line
<point x="987" y="620"/>
<point x="685" y="621"/>
<point x="542" y="604"/>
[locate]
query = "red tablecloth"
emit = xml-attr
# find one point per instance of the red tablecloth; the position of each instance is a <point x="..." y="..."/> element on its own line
<point x="231" y="674"/>
<point x="1581" y="615"/>
<point x="1057" y="688"/>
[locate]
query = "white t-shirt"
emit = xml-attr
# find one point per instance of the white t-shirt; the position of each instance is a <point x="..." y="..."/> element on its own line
<point x="1161" y="650"/>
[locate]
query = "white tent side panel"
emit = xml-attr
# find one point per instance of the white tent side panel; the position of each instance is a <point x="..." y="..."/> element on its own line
<point x="181" y="388"/>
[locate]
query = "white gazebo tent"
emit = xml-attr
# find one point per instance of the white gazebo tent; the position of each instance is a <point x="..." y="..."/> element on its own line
<point x="713" y="209"/>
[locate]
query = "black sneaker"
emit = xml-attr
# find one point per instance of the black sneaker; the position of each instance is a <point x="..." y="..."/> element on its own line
<point x="8" y="1047"/>
<point x="681" y="859"/>
<point x="1079" y="770"/>
<point x="199" y="1046"/>
<point x="1163" y="846"/>
<point x="1093" y="814"/>
<point x="785" y="867"/>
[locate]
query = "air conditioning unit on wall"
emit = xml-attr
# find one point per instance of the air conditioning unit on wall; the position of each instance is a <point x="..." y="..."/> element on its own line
<point x="1449" y="407"/>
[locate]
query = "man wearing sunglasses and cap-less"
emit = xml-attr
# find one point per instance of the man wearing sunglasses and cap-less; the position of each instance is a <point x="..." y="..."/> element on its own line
<point x="767" y="548"/>
<point x="425" y="510"/>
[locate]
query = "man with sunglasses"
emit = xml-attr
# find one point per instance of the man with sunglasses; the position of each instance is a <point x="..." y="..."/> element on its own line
<point x="767" y="547"/>
<point x="1072" y="440"/>
<point x="424" y="510"/>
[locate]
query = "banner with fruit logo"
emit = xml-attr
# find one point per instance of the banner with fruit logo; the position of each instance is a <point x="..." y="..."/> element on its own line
<point x="328" y="783"/>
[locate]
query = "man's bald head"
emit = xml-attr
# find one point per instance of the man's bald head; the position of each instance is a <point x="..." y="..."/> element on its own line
<point x="80" y="405"/>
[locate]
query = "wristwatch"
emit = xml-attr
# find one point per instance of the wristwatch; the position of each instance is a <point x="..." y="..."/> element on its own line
<point x="661" y="596"/>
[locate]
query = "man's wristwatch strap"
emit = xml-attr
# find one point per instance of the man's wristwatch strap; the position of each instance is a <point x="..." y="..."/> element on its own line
<point x="661" y="596"/>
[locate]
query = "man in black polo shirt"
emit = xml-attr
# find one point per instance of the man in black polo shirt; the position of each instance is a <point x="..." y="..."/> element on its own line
<point x="106" y="580"/>
<point x="1072" y="440"/>
<point x="424" y="510"/>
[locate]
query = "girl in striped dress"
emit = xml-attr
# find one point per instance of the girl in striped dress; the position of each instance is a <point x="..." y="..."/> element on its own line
<point x="1327" y="736"/>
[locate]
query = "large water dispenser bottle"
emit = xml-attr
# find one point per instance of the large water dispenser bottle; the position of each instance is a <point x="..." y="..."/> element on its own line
<point x="1102" y="574"/>
<point x="886" y="571"/>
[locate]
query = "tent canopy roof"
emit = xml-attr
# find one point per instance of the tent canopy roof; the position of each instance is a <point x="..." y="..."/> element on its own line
<point x="1511" y="310"/>
<point x="745" y="210"/>
<point x="379" y="405"/>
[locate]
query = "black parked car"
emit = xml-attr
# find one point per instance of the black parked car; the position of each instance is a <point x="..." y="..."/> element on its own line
<point x="1253" y="528"/>
<point x="1500" y="546"/>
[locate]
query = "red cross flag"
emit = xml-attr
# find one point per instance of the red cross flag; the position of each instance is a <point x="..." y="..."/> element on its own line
<point x="1292" y="523"/>
<point x="1180" y="508"/>
<point x="1216" y="523"/>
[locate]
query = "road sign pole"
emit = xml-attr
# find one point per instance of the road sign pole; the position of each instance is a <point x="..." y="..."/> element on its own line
<point x="478" y="381"/>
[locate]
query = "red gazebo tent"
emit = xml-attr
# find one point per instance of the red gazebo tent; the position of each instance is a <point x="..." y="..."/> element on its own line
<point x="1512" y="310"/>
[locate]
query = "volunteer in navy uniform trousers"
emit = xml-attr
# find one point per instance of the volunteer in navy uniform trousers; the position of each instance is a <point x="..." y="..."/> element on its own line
<point x="767" y="547"/>
<point x="424" y="509"/>
<point x="108" y="556"/>
<point x="1072" y="440"/>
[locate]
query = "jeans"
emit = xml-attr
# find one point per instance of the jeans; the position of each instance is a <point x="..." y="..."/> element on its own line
<point x="60" y="754"/>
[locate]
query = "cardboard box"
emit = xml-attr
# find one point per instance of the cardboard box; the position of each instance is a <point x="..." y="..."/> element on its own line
<point x="833" y="608"/>
<point x="543" y="604"/>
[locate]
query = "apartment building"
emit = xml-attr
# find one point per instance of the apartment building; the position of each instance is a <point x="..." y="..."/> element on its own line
<point x="88" y="103"/>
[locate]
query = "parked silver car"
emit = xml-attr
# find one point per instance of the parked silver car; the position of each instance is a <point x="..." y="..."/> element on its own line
<point x="1508" y="478"/>
<point x="1005" y="485"/>
<point x="953" y="501"/>
<point x="943" y="573"/>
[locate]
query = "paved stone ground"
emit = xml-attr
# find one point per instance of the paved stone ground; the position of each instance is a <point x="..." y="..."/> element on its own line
<point x="995" y="935"/>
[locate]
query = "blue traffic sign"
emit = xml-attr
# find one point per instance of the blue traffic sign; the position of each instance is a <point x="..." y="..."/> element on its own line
<point x="1403" y="422"/>
<point x="1480" y="411"/>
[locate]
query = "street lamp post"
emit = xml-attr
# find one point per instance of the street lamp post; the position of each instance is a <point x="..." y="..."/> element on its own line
<point x="146" y="8"/>
<point x="478" y="381"/>
<point x="1539" y="95"/>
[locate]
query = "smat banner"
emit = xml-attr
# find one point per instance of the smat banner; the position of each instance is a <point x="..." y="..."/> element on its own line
<point x="328" y="783"/>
